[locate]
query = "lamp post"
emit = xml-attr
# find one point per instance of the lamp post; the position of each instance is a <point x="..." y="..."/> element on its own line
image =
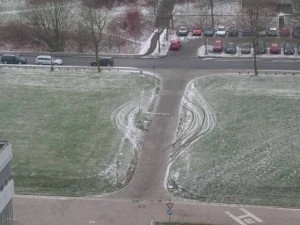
<point x="119" y="36"/>
<point x="140" y="107"/>
<point x="154" y="67"/>
<point x="51" y="68"/>
<point x="117" y="173"/>
<point x="205" y="45"/>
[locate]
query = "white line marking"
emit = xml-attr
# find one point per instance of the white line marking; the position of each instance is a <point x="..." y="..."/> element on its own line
<point x="245" y="219"/>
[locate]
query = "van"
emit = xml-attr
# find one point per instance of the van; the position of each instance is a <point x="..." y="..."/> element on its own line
<point x="13" y="59"/>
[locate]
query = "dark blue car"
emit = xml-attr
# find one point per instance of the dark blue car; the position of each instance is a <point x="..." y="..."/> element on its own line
<point x="208" y="31"/>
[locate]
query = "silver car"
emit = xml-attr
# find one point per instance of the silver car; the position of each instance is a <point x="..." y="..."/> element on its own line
<point x="47" y="60"/>
<point x="183" y="31"/>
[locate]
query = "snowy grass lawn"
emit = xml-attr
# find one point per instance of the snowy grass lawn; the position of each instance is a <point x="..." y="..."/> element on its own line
<point x="252" y="155"/>
<point x="61" y="130"/>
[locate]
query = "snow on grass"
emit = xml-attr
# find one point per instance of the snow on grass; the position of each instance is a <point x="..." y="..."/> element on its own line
<point x="194" y="13"/>
<point x="61" y="130"/>
<point x="252" y="154"/>
<point x="125" y="119"/>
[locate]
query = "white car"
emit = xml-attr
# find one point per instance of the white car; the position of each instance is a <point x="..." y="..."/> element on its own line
<point x="221" y="31"/>
<point x="47" y="60"/>
<point x="273" y="32"/>
<point x="183" y="31"/>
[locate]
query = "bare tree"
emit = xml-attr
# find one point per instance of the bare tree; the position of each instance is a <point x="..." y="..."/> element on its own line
<point x="256" y="15"/>
<point x="99" y="3"/>
<point x="208" y="5"/>
<point x="50" y="21"/>
<point x="95" y="20"/>
<point x="134" y="22"/>
<point x="164" y="16"/>
<point x="211" y="4"/>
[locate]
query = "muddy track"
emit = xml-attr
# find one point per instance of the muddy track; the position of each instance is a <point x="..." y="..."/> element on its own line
<point x="125" y="118"/>
<point x="200" y="121"/>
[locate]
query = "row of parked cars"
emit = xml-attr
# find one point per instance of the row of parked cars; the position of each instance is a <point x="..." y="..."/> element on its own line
<point x="275" y="48"/>
<point x="49" y="60"/>
<point x="40" y="60"/>
<point x="221" y="31"/>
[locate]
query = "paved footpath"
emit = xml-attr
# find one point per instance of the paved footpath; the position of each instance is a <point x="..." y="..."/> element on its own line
<point x="145" y="198"/>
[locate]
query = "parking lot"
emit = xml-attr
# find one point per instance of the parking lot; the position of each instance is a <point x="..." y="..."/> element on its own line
<point x="273" y="43"/>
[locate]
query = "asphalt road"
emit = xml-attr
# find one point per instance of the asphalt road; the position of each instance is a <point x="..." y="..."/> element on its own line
<point x="186" y="58"/>
<point x="145" y="198"/>
<point x="178" y="60"/>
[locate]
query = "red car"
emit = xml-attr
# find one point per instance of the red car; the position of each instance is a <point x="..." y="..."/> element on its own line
<point x="197" y="31"/>
<point x="275" y="48"/>
<point x="175" y="44"/>
<point x="218" y="46"/>
<point x="285" y="32"/>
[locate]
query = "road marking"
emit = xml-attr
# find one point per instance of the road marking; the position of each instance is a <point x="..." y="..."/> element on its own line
<point x="245" y="219"/>
<point x="207" y="58"/>
<point x="92" y="221"/>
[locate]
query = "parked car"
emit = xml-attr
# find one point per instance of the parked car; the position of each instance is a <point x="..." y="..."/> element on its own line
<point x="103" y="61"/>
<point x="263" y="32"/>
<point x="208" y="31"/>
<point x="175" y="44"/>
<point x="261" y="47"/>
<point x="197" y="30"/>
<point x="246" y="48"/>
<point x="273" y="32"/>
<point x="218" y="46"/>
<point x="47" y="60"/>
<point x="13" y="59"/>
<point x="247" y="32"/>
<point x="231" y="48"/>
<point x="288" y="49"/>
<point x="285" y="32"/>
<point x="233" y="32"/>
<point x="298" y="49"/>
<point x="221" y="31"/>
<point x="275" y="48"/>
<point x="296" y="32"/>
<point x="183" y="31"/>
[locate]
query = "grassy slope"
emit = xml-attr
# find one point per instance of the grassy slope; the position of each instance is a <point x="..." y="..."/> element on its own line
<point x="252" y="155"/>
<point x="60" y="127"/>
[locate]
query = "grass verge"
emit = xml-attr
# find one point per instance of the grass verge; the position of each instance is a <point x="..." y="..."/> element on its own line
<point x="60" y="127"/>
<point x="253" y="154"/>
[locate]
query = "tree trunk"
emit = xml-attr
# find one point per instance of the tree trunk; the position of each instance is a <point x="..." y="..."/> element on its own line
<point x="97" y="57"/>
<point x="254" y="44"/>
<point x="158" y="41"/>
<point x="255" y="65"/>
<point x="212" y="13"/>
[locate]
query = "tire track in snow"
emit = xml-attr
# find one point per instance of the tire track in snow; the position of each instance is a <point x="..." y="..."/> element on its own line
<point x="124" y="118"/>
<point x="200" y="121"/>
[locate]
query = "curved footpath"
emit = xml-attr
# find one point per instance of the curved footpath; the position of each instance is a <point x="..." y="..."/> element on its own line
<point x="145" y="198"/>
